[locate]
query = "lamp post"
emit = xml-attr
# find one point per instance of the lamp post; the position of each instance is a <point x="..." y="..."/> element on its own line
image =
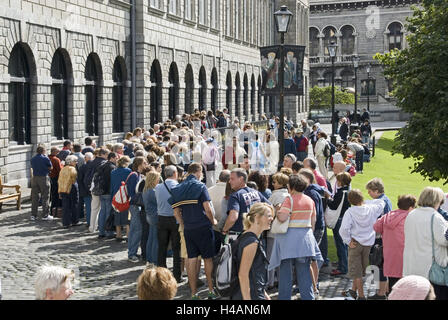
<point x="368" y="87"/>
<point x="282" y="19"/>
<point x="332" y="48"/>
<point x="355" y="67"/>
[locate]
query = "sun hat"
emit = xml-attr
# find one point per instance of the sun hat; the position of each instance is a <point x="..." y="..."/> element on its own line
<point x="410" y="288"/>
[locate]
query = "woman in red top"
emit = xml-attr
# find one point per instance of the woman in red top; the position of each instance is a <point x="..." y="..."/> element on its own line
<point x="54" y="175"/>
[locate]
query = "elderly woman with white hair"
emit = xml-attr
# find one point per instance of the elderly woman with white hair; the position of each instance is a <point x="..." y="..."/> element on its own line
<point x="69" y="193"/>
<point x="425" y="242"/>
<point x="54" y="283"/>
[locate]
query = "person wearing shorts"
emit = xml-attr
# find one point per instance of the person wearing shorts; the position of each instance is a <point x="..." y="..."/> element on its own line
<point x="358" y="259"/>
<point x="196" y="217"/>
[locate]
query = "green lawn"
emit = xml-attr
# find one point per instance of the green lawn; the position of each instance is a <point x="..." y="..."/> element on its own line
<point x="395" y="173"/>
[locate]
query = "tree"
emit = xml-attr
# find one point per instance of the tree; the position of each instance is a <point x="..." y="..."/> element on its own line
<point x="320" y="97"/>
<point x="420" y="77"/>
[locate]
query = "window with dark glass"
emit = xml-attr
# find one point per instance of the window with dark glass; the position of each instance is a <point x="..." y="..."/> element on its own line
<point x="59" y="114"/>
<point x="252" y="99"/>
<point x="395" y="36"/>
<point x="368" y="87"/>
<point x="202" y="89"/>
<point x="92" y="76"/>
<point x="348" y="40"/>
<point x="314" y="42"/>
<point x="156" y="93"/>
<point x="19" y="97"/>
<point x="173" y="79"/>
<point x="189" y="87"/>
<point x="347" y="79"/>
<point x="260" y="106"/>
<point x="119" y="77"/>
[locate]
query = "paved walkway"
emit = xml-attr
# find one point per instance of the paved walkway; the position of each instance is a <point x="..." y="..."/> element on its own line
<point x="103" y="271"/>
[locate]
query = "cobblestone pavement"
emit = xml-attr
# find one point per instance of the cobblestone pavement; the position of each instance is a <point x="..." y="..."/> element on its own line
<point x="103" y="271"/>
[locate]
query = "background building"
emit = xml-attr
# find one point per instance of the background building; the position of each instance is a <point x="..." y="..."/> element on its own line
<point x="66" y="67"/>
<point x="361" y="28"/>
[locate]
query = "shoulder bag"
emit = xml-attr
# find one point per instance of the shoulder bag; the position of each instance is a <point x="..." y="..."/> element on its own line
<point x="281" y="227"/>
<point x="332" y="216"/>
<point x="437" y="274"/>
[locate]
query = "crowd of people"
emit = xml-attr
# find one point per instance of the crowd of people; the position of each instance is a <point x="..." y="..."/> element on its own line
<point x="197" y="182"/>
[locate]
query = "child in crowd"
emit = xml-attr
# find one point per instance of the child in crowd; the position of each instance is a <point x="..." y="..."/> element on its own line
<point x="357" y="232"/>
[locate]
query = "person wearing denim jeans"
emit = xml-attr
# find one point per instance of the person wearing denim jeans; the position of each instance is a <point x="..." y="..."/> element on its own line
<point x="302" y="268"/>
<point x="341" y="249"/>
<point x="135" y="229"/>
<point x="150" y="202"/>
<point x="105" y="212"/>
<point x="135" y="232"/>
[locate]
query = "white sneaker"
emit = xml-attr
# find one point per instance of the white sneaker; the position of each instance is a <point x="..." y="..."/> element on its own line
<point x="48" y="218"/>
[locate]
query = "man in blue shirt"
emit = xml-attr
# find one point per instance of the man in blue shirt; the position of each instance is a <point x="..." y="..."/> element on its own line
<point x="375" y="189"/>
<point x="195" y="214"/>
<point x="40" y="183"/>
<point x="240" y="201"/>
<point x="168" y="229"/>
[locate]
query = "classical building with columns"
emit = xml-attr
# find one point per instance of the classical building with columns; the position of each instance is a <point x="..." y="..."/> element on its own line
<point x="71" y="69"/>
<point x="360" y="28"/>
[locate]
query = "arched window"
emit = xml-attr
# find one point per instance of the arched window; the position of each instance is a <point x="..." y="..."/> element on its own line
<point x="329" y="36"/>
<point x="314" y="42"/>
<point x="246" y="98"/>
<point x="119" y="77"/>
<point x="189" y="87"/>
<point x="173" y="105"/>
<point x="347" y="79"/>
<point x="252" y="99"/>
<point x="237" y="96"/>
<point x="156" y="93"/>
<point x="59" y="92"/>
<point x="395" y="36"/>
<point x="202" y="89"/>
<point x="93" y="78"/>
<point x="214" y="97"/>
<point x="260" y="104"/>
<point x="348" y="40"/>
<point x="19" y="96"/>
<point x="229" y="92"/>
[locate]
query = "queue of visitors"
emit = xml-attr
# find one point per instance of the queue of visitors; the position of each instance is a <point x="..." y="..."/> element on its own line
<point x="187" y="187"/>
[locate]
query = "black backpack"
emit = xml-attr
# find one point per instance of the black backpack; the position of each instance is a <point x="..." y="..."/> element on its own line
<point x="327" y="151"/>
<point x="225" y="268"/>
<point x="98" y="182"/>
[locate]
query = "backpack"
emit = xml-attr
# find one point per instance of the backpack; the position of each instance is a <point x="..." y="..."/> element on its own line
<point x="97" y="187"/>
<point x="327" y="151"/>
<point x="121" y="201"/>
<point x="225" y="268"/>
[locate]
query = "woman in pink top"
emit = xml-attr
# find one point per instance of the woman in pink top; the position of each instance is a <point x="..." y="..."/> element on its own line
<point x="391" y="226"/>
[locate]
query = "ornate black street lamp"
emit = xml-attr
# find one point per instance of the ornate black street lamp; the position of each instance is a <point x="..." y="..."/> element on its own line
<point x="368" y="87"/>
<point x="355" y="67"/>
<point x="282" y="19"/>
<point x="332" y="48"/>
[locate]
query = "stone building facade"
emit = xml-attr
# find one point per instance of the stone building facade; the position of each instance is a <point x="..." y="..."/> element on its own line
<point x="65" y="67"/>
<point x="360" y="28"/>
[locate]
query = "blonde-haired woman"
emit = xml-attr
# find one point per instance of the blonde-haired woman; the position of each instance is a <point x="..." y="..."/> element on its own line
<point x="68" y="192"/>
<point x="424" y="234"/>
<point x="150" y="202"/>
<point x="253" y="268"/>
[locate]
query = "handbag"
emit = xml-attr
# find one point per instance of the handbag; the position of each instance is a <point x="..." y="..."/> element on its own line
<point x="376" y="255"/>
<point x="281" y="227"/>
<point x="437" y="274"/>
<point x="210" y="167"/>
<point x="332" y="216"/>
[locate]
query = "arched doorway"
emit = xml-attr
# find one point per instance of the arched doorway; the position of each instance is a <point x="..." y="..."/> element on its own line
<point x="214" y="91"/>
<point x="229" y="92"/>
<point x="173" y="79"/>
<point x="59" y="91"/>
<point x="237" y="95"/>
<point x="156" y="93"/>
<point x="189" y="87"/>
<point x="119" y="78"/>
<point x="252" y="99"/>
<point x="246" y="98"/>
<point x="202" y="89"/>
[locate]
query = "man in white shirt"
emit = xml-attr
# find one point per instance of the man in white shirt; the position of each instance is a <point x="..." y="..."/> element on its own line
<point x="217" y="193"/>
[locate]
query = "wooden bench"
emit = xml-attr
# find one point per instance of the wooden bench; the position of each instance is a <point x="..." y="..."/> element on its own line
<point x="17" y="195"/>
